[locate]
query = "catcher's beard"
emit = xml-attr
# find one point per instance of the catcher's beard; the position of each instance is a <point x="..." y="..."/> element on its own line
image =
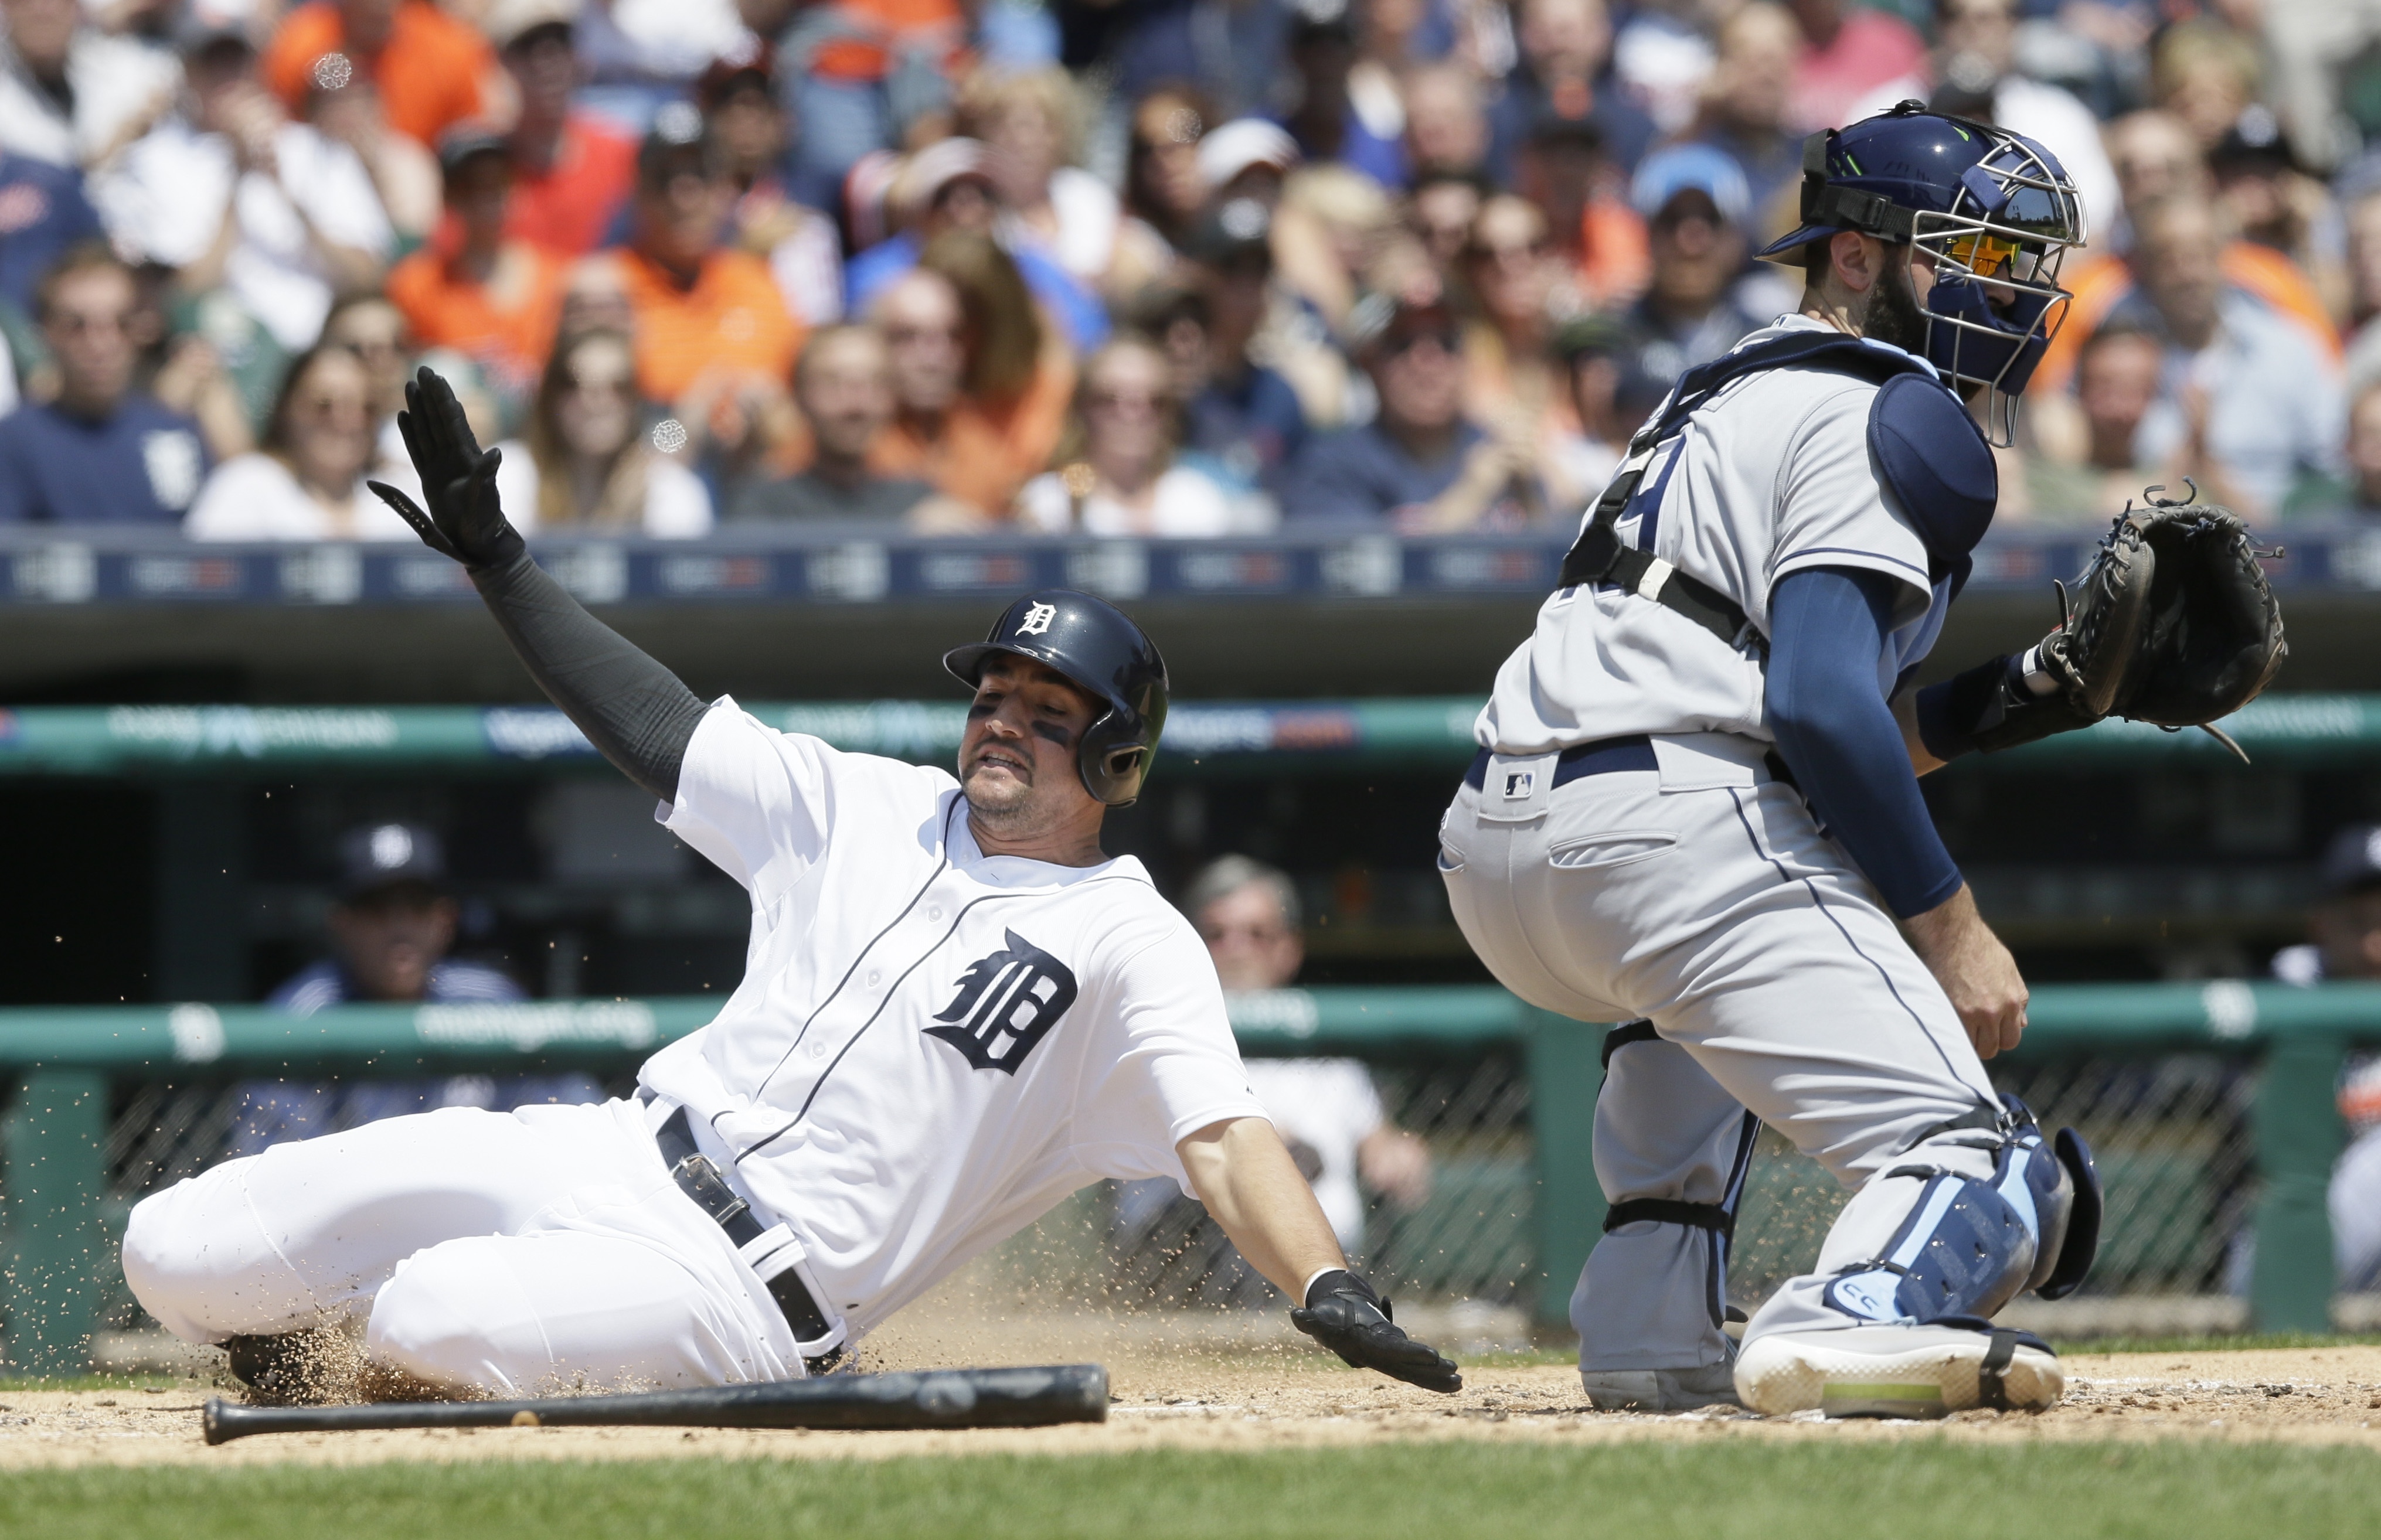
<point x="1894" y="315"/>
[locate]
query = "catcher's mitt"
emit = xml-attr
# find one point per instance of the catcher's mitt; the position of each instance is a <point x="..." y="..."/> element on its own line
<point x="2171" y="623"/>
<point x="2210" y="637"/>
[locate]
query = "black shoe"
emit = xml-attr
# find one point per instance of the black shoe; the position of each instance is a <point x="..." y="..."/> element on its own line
<point x="275" y="1369"/>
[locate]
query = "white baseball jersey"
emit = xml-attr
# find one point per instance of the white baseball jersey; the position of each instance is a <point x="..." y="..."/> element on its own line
<point x="931" y="1045"/>
<point x="1771" y="475"/>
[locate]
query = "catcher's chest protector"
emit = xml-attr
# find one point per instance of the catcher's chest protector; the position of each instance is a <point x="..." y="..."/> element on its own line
<point x="1937" y="464"/>
<point x="1925" y="447"/>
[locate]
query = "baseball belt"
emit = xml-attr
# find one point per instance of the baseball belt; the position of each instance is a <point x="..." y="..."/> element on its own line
<point x="700" y="1179"/>
<point x="1635" y="752"/>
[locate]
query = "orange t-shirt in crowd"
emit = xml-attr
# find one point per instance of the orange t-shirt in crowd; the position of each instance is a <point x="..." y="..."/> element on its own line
<point x="2104" y="282"/>
<point x="1616" y="261"/>
<point x="733" y="318"/>
<point x="934" y="26"/>
<point x="429" y="74"/>
<point x="567" y="208"/>
<point x="508" y="324"/>
<point x="986" y="453"/>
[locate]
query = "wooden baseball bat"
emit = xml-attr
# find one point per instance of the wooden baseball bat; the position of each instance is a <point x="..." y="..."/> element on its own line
<point x="935" y="1398"/>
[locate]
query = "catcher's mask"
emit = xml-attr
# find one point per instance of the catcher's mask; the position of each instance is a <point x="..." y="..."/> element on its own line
<point x="1995" y="208"/>
<point x="1098" y="647"/>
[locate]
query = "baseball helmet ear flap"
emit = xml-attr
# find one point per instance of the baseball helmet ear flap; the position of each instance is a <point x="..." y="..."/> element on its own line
<point x="1117" y="750"/>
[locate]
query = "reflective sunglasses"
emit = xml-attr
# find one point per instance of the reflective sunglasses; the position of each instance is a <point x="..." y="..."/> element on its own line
<point x="1979" y="252"/>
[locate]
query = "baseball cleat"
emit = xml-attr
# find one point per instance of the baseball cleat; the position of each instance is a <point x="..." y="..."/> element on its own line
<point x="1898" y="1371"/>
<point x="1659" y="1389"/>
<point x="290" y="1368"/>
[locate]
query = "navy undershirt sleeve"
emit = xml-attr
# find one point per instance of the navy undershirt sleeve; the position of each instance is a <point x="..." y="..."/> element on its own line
<point x="1837" y="733"/>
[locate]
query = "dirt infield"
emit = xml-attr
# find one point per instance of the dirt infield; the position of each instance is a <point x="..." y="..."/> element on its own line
<point x="1248" y="1383"/>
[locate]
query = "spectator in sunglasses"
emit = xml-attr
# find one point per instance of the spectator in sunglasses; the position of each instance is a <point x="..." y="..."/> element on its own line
<point x="1418" y="467"/>
<point x="1121" y="477"/>
<point x="587" y="463"/>
<point x="1163" y="187"/>
<point x="307" y="482"/>
<point x="1700" y="303"/>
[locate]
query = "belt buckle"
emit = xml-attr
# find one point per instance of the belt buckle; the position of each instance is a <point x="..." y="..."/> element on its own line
<point x="702" y="1181"/>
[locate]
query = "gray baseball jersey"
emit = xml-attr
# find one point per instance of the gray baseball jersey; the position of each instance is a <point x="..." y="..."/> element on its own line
<point x="1771" y="476"/>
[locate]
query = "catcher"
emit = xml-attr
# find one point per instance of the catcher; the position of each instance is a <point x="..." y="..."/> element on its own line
<point x="1695" y="800"/>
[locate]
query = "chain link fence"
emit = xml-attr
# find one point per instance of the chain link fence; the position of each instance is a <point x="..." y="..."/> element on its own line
<point x="1470" y="1239"/>
<point x="2171" y="1134"/>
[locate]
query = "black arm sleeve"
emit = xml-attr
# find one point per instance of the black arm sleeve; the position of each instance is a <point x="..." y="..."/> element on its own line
<point x="635" y="711"/>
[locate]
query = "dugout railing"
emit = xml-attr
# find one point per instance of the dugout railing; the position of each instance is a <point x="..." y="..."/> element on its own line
<point x="2212" y="1106"/>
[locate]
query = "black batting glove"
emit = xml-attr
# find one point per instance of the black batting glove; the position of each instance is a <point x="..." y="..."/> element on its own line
<point x="459" y="480"/>
<point x="1344" y="1315"/>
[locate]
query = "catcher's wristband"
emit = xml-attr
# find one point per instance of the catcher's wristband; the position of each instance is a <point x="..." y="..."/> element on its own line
<point x="1951" y="713"/>
<point x="1998" y="704"/>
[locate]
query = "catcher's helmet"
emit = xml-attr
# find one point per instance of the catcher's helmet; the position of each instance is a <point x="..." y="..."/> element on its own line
<point x="1098" y="647"/>
<point x="1995" y="208"/>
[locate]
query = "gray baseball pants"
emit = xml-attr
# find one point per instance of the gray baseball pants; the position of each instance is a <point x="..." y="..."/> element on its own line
<point x="1703" y="897"/>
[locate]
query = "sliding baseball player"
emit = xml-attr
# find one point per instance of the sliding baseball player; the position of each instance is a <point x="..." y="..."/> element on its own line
<point x="955" y="1010"/>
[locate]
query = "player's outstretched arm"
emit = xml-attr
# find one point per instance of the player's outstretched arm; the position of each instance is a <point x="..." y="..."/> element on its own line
<point x="1240" y="1171"/>
<point x="631" y="708"/>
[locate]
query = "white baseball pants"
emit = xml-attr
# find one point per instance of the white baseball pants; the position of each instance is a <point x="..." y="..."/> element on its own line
<point x="512" y="1252"/>
<point x="1704" y="898"/>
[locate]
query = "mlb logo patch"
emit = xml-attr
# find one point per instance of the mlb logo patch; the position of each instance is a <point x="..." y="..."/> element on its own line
<point x="1518" y="784"/>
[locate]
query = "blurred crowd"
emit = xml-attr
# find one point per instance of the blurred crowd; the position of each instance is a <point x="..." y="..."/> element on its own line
<point x="1171" y="267"/>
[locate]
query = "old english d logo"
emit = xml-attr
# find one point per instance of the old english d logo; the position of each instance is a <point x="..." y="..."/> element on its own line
<point x="1006" y="1004"/>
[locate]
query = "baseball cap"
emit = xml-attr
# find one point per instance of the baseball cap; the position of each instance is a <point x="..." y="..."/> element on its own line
<point x="924" y="175"/>
<point x="753" y="60"/>
<point x="1380" y="323"/>
<point x="383" y="855"/>
<point x="2254" y="141"/>
<point x="2351" y="863"/>
<point x="1584" y="336"/>
<point x="509" y="21"/>
<point x="201" y="29"/>
<point x="466" y="139"/>
<point x="1703" y="168"/>
<point x="1236" y="226"/>
<point x="1244" y="142"/>
<point x="1550" y="128"/>
<point x="675" y="137"/>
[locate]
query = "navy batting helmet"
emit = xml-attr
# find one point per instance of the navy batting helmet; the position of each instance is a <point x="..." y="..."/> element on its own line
<point x="1098" y="647"/>
<point x="1995" y="208"/>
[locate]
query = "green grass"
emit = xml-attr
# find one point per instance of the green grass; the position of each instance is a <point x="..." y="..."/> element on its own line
<point x="2233" y="1342"/>
<point x="1558" y="1353"/>
<point x="1735" y="1490"/>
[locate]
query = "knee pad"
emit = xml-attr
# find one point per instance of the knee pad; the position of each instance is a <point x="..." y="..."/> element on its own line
<point x="2064" y="1184"/>
<point x="1970" y="1246"/>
